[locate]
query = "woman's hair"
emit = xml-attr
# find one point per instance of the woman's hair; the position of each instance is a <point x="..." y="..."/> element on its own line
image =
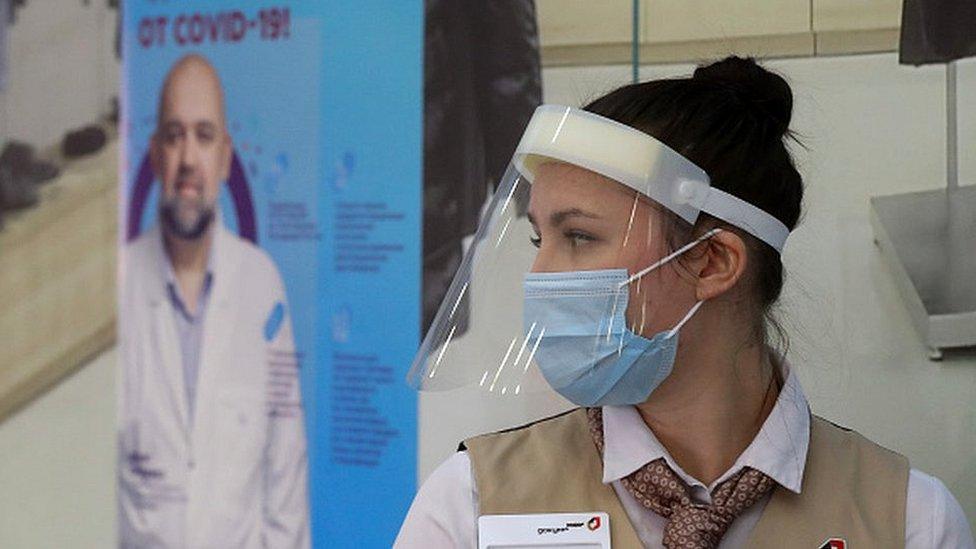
<point x="731" y="118"/>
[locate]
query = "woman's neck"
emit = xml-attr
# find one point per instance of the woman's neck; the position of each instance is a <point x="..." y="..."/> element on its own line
<point x="712" y="405"/>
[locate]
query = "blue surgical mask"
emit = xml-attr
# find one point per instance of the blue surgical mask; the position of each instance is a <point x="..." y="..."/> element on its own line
<point x="585" y="351"/>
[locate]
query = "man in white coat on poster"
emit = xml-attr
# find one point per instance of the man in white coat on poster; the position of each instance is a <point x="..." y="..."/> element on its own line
<point x="212" y="449"/>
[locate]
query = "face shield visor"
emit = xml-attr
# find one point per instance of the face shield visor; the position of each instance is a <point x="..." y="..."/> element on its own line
<point x="579" y="293"/>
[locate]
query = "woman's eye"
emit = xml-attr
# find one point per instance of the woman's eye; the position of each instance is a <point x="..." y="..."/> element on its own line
<point x="536" y="241"/>
<point x="579" y="238"/>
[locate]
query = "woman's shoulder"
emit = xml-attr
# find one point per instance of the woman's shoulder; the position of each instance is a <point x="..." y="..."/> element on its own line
<point x="453" y="472"/>
<point x="835" y="442"/>
<point x="552" y="426"/>
<point x="933" y="517"/>
<point x="445" y="509"/>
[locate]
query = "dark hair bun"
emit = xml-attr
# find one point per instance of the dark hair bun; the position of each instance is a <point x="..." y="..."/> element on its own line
<point x="764" y="91"/>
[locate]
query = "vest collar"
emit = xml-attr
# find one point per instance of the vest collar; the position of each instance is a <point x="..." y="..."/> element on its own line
<point x="779" y="449"/>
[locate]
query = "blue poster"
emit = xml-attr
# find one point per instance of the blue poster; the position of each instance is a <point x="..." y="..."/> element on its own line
<point x="269" y="271"/>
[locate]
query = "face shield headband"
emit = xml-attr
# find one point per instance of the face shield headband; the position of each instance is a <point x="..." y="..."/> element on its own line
<point x="640" y="162"/>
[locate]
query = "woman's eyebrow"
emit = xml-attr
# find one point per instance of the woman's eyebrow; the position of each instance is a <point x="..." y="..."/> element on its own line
<point x="560" y="216"/>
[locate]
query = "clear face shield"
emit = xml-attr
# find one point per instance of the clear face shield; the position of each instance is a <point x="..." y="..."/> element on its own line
<point x="580" y="293"/>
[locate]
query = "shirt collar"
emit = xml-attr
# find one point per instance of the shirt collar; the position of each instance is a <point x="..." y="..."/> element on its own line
<point x="172" y="288"/>
<point x="779" y="449"/>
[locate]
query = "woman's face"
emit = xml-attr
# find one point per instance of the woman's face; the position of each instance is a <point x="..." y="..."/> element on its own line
<point x="584" y="221"/>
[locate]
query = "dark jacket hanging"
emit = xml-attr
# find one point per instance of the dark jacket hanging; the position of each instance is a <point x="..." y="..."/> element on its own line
<point x="482" y="81"/>
<point x="937" y="31"/>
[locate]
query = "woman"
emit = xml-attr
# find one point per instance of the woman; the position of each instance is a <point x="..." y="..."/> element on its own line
<point x="647" y="305"/>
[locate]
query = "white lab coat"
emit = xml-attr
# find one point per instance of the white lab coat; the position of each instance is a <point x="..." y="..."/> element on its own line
<point x="235" y="474"/>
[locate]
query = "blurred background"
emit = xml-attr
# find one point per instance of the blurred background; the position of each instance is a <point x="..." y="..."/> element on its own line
<point x="869" y="125"/>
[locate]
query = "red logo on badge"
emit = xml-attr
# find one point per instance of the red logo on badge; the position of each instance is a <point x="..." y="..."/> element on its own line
<point x="834" y="543"/>
<point x="594" y="523"/>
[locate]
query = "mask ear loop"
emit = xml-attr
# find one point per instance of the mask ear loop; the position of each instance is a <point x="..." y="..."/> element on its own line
<point x="687" y="317"/>
<point x="662" y="261"/>
<point x="670" y="257"/>
<point x="665" y="259"/>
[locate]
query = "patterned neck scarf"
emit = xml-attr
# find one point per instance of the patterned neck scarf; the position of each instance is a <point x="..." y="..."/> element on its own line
<point x="690" y="525"/>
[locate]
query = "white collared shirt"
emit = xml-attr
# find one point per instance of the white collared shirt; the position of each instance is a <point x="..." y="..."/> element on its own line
<point x="445" y="513"/>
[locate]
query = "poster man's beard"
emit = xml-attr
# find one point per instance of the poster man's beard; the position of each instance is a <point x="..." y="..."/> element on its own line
<point x="184" y="219"/>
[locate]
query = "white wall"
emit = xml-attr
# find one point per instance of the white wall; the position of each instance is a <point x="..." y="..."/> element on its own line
<point x="62" y="69"/>
<point x="57" y="465"/>
<point x="871" y="127"/>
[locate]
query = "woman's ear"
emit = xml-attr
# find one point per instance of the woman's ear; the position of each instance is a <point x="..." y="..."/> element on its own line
<point x="721" y="266"/>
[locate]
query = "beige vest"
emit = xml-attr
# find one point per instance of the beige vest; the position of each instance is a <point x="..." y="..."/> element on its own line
<point x="852" y="488"/>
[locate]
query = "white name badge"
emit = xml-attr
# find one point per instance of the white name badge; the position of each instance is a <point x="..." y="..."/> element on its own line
<point x="550" y="531"/>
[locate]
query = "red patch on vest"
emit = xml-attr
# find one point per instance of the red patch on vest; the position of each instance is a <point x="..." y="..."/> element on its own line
<point x="834" y="543"/>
